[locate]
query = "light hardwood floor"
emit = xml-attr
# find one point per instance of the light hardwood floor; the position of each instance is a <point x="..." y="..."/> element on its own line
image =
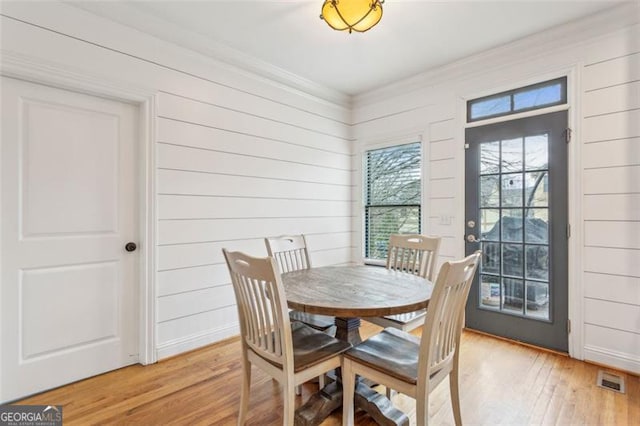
<point x="501" y="383"/>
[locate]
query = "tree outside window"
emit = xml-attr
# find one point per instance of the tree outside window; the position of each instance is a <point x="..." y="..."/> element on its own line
<point x="393" y="196"/>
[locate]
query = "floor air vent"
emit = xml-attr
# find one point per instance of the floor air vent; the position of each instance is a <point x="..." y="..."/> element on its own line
<point x="610" y="381"/>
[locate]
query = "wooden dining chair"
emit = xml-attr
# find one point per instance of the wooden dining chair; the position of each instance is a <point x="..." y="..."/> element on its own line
<point x="415" y="254"/>
<point x="415" y="366"/>
<point x="291" y="353"/>
<point x="291" y="254"/>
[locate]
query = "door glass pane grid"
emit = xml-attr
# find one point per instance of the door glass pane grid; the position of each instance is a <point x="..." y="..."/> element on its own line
<point x="514" y="226"/>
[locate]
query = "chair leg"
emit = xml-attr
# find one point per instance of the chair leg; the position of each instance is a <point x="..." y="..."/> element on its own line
<point x="389" y="393"/>
<point x="244" y="390"/>
<point x="299" y="390"/>
<point x="289" y="404"/>
<point x="322" y="381"/>
<point x="348" y="389"/>
<point x="422" y="409"/>
<point x="455" y="396"/>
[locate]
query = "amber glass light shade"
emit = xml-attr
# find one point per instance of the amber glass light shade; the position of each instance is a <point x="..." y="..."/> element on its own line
<point x="352" y="15"/>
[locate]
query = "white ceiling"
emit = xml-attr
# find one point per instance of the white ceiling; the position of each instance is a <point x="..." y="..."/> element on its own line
<point x="412" y="37"/>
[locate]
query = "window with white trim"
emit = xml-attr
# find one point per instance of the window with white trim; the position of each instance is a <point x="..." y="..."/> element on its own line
<point x="392" y="196"/>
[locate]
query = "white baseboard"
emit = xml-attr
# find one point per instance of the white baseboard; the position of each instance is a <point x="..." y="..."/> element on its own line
<point x="617" y="360"/>
<point x="195" y="341"/>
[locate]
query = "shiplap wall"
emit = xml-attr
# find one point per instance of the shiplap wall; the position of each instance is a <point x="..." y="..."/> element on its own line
<point x="443" y="205"/>
<point x="605" y="115"/>
<point x="238" y="158"/>
<point x="432" y="125"/>
<point x="611" y="191"/>
<point x="228" y="179"/>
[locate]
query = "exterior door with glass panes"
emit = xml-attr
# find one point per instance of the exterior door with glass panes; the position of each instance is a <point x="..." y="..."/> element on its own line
<point x="516" y="213"/>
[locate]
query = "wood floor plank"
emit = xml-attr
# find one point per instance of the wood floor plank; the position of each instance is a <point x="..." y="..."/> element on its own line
<point x="501" y="383"/>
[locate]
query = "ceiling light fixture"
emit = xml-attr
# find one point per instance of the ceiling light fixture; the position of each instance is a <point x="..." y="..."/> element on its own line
<point x="352" y="15"/>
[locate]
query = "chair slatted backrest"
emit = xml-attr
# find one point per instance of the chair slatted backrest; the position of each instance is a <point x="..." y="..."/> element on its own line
<point x="262" y="310"/>
<point x="445" y="314"/>
<point x="289" y="251"/>
<point x="413" y="253"/>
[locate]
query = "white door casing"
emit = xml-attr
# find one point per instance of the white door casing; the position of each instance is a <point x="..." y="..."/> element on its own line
<point x="69" y="290"/>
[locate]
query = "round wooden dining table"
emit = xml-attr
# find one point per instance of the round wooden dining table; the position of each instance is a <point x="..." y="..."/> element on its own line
<point x="349" y="293"/>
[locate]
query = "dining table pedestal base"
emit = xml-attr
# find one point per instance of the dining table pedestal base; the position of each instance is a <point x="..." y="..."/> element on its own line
<point x="378" y="407"/>
<point x="319" y="406"/>
<point x="348" y="330"/>
<point x="327" y="400"/>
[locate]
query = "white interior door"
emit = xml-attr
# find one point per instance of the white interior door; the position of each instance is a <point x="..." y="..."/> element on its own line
<point x="69" y="289"/>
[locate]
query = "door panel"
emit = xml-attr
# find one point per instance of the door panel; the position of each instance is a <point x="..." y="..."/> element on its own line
<point x="69" y="289"/>
<point x="95" y="297"/>
<point x="516" y="212"/>
<point x="79" y="196"/>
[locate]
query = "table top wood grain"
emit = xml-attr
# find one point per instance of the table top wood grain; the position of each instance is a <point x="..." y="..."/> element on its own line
<point x="355" y="291"/>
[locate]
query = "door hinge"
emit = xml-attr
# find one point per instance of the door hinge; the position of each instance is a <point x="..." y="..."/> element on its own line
<point x="568" y="326"/>
<point x="567" y="134"/>
<point x="568" y="231"/>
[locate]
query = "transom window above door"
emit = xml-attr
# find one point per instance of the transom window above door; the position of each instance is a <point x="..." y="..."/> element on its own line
<point x="535" y="96"/>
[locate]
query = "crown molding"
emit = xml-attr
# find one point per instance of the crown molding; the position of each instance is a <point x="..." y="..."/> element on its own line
<point x="567" y="35"/>
<point x="124" y="13"/>
<point x="563" y="36"/>
<point x="24" y="67"/>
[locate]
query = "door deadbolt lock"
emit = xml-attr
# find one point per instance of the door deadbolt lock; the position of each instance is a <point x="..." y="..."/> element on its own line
<point x="130" y="247"/>
<point x="471" y="224"/>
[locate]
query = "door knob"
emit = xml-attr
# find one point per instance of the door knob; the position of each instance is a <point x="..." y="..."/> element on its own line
<point x="130" y="246"/>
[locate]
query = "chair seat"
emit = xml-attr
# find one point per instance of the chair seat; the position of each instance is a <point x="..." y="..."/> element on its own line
<point x="319" y="322"/>
<point x="401" y="319"/>
<point x="311" y="346"/>
<point x="405" y="322"/>
<point x="391" y="351"/>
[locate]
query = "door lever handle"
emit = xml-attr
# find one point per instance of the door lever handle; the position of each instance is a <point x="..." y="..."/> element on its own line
<point x="472" y="239"/>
